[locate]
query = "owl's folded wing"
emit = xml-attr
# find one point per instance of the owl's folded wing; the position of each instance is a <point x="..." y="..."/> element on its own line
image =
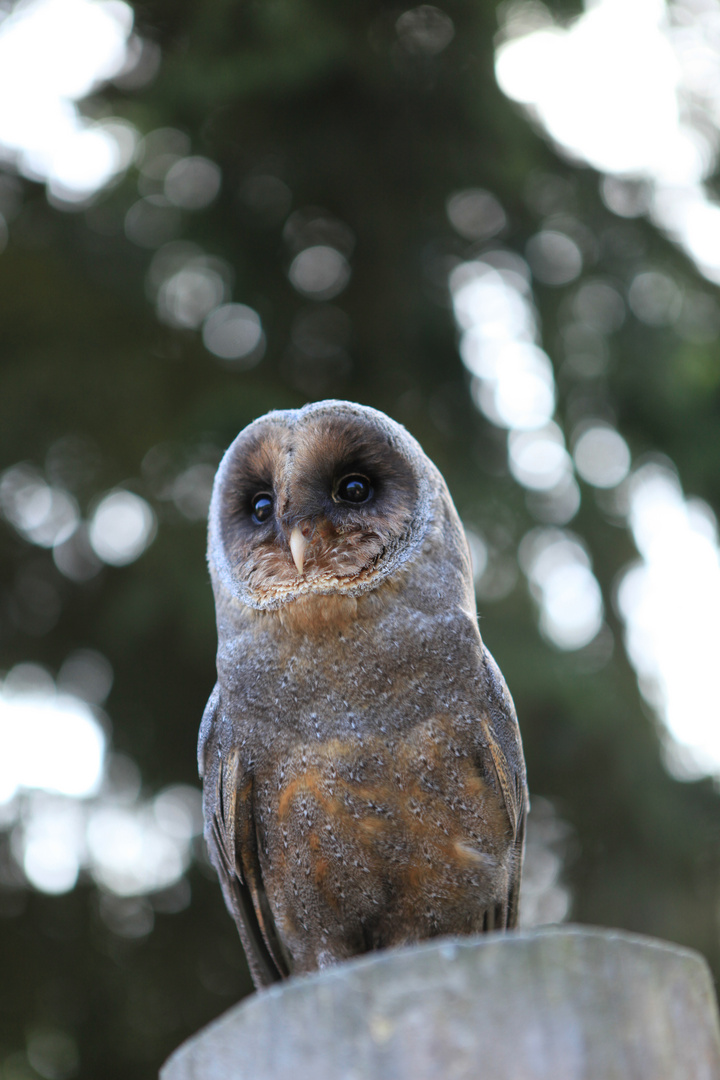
<point x="514" y="795"/>
<point x="232" y="843"/>
<point x="502" y="742"/>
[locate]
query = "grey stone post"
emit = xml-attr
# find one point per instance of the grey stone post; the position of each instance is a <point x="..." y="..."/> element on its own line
<point x="565" y="1003"/>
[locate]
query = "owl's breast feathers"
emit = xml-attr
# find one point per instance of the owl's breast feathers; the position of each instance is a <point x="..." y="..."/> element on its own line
<point x="389" y="824"/>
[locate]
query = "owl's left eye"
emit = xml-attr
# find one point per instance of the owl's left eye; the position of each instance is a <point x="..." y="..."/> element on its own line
<point x="262" y="507"/>
<point x="354" y="489"/>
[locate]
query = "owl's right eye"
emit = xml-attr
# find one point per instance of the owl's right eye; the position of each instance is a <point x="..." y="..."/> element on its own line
<point x="262" y="507"/>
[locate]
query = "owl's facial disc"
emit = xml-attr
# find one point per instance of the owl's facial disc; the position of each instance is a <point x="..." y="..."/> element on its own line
<point x="327" y="504"/>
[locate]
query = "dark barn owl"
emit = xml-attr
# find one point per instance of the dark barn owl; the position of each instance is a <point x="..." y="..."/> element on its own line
<point x="364" y="783"/>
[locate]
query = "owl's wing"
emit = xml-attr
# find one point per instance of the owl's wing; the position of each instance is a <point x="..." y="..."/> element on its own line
<point x="232" y="843"/>
<point x="502" y="741"/>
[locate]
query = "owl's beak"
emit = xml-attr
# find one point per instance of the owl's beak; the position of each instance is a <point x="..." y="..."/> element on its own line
<point x="298" y="544"/>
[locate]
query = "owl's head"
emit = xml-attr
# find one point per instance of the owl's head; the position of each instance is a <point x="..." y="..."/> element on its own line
<point x="331" y="498"/>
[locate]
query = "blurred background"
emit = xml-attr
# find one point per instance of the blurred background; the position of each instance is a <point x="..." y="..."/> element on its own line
<point x="496" y="222"/>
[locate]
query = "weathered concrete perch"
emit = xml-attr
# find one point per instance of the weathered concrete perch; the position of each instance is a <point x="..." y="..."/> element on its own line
<point x="565" y="1003"/>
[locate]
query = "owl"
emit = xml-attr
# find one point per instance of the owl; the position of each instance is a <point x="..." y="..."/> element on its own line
<point x="363" y="775"/>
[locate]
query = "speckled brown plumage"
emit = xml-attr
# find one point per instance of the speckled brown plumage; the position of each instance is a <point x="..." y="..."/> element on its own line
<point x="364" y="784"/>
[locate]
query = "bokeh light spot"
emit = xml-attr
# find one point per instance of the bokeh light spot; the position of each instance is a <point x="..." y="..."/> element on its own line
<point x="615" y="118"/>
<point x="234" y="332"/>
<point x="554" y="258"/>
<point x="558" y="570"/>
<point x="670" y="602"/>
<point x="126" y="856"/>
<point x="43" y="514"/>
<point x="544" y="898"/>
<point x="160" y="149"/>
<point x="556" y="505"/>
<point x="52" y="54"/>
<point x="626" y="198"/>
<point x="476" y="214"/>
<point x="75" y="558"/>
<point x="425" y="30"/>
<point x="72" y="808"/>
<point x="514" y="385"/>
<point x="53" y="1053"/>
<point x="643" y="107"/>
<point x="655" y="298"/>
<point x="319" y="272"/>
<point x="86" y="674"/>
<point x="122" y="527"/>
<point x="178" y="811"/>
<point x="602" y="457"/>
<point x="133" y="850"/>
<point x="192" y="183"/>
<point x="52" y="841"/>
<point x="188" y="296"/>
<point x="192" y="489"/>
<point x="538" y="459"/>
<point x="87" y="159"/>
<point x="47" y="741"/>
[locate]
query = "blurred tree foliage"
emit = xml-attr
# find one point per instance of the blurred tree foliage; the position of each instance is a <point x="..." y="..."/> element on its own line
<point x="323" y="98"/>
